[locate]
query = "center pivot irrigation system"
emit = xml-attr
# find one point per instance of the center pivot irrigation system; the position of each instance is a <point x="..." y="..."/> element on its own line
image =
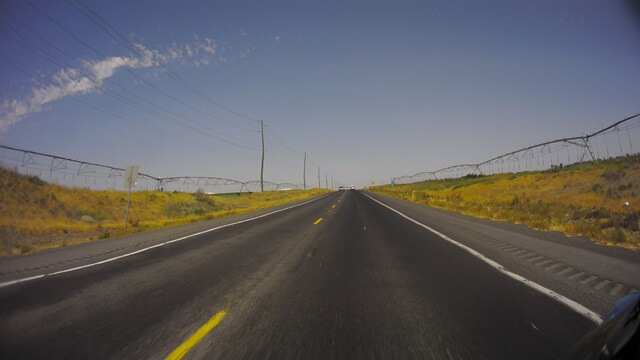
<point x="617" y="139"/>
<point x="88" y="174"/>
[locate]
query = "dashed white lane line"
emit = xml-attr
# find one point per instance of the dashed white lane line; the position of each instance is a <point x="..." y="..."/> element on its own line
<point x="579" y="308"/>
<point x="13" y="282"/>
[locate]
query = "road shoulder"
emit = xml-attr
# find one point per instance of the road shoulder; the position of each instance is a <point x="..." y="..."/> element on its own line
<point x="49" y="261"/>
<point x="590" y="274"/>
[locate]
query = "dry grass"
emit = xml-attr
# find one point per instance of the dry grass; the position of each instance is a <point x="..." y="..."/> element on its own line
<point x="35" y="215"/>
<point x="582" y="199"/>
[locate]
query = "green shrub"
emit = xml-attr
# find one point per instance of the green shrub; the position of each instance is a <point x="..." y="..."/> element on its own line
<point x="613" y="175"/>
<point x="203" y="198"/>
<point x="615" y="235"/>
<point x="200" y="212"/>
<point x="26" y="249"/>
<point x="630" y="221"/>
<point x="624" y="187"/>
<point x="35" y="180"/>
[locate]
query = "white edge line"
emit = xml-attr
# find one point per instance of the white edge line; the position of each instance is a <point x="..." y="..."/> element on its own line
<point x="579" y="308"/>
<point x="13" y="282"/>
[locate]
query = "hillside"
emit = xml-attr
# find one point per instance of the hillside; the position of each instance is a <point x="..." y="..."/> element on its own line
<point x="581" y="199"/>
<point x="36" y="215"/>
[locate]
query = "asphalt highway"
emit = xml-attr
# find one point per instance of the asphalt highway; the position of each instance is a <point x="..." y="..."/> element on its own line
<point x="339" y="277"/>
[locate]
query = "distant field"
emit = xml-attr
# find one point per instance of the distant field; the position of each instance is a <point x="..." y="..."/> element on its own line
<point x="35" y="215"/>
<point x="581" y="199"/>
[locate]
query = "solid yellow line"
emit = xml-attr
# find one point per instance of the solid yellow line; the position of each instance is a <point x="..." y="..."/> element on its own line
<point x="183" y="349"/>
<point x="317" y="221"/>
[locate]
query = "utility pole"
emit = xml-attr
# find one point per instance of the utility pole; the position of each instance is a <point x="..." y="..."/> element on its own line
<point x="332" y="186"/>
<point x="262" y="162"/>
<point x="326" y="182"/>
<point x="319" y="186"/>
<point x="304" y="171"/>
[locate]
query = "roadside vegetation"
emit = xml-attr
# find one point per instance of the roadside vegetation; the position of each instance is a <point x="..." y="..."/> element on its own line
<point x="36" y="215"/>
<point x="599" y="199"/>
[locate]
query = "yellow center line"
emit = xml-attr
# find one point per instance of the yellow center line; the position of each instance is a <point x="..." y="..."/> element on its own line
<point x="317" y="221"/>
<point x="333" y="206"/>
<point x="183" y="349"/>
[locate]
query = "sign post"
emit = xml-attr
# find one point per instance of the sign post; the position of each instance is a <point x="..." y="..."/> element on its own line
<point x="130" y="178"/>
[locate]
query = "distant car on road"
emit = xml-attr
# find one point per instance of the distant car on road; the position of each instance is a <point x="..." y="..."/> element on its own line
<point x="342" y="188"/>
<point x="353" y="187"/>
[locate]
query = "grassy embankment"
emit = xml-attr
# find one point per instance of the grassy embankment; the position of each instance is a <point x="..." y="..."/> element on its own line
<point x="581" y="199"/>
<point x="35" y="215"/>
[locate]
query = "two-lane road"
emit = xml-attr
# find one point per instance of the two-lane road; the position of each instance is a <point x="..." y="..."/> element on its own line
<point x="339" y="277"/>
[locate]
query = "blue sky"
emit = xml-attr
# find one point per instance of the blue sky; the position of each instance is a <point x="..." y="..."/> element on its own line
<point x="369" y="89"/>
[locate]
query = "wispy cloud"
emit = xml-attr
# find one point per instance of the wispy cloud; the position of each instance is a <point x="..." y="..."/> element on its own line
<point x="209" y="46"/>
<point x="91" y="75"/>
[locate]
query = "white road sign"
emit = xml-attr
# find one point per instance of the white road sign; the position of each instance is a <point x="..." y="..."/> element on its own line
<point x="131" y="176"/>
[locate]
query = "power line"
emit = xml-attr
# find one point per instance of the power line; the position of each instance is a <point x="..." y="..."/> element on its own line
<point x="280" y="152"/>
<point x="119" y="116"/>
<point x="117" y="96"/>
<point x="106" y="78"/>
<point x="66" y="30"/>
<point x="171" y="74"/>
<point x="278" y="159"/>
<point x="278" y="139"/>
<point x="103" y="24"/>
